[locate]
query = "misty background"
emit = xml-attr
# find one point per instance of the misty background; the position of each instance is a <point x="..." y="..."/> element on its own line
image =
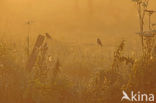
<point x="79" y="21"/>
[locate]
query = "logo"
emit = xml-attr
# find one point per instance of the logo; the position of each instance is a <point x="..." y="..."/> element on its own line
<point x="140" y="97"/>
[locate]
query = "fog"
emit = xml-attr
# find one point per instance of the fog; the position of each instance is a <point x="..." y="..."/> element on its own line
<point x="70" y="20"/>
<point x="88" y="51"/>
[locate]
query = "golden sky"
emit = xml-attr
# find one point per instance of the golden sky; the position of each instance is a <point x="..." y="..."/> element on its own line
<point x="69" y="19"/>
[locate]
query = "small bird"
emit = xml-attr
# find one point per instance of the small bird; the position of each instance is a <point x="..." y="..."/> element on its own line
<point x="48" y="36"/>
<point x="99" y="42"/>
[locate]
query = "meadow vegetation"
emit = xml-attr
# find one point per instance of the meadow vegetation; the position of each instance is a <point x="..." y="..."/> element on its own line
<point x="49" y="82"/>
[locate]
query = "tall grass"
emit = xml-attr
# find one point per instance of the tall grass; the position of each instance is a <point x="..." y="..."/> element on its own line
<point x="48" y="83"/>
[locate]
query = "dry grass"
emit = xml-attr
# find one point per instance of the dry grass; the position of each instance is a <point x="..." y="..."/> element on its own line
<point x="50" y="83"/>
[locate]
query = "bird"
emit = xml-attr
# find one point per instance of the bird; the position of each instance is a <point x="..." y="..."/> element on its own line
<point x="48" y="36"/>
<point x="99" y="42"/>
<point x="125" y="96"/>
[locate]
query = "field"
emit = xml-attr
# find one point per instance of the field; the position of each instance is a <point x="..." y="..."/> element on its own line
<point x="76" y="51"/>
<point x="73" y="73"/>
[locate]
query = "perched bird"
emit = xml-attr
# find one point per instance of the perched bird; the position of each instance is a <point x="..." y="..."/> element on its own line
<point x="48" y="36"/>
<point x="99" y="42"/>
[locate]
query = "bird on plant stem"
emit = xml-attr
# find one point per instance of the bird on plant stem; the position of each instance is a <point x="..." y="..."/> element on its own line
<point x="48" y="36"/>
<point x="99" y="42"/>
